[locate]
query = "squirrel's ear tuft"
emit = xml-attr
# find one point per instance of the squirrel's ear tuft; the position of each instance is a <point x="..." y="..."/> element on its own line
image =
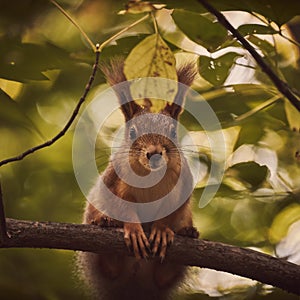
<point x="114" y="75"/>
<point x="186" y="75"/>
<point x="113" y="70"/>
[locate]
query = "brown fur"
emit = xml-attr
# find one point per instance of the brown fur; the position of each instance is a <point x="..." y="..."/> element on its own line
<point x="123" y="277"/>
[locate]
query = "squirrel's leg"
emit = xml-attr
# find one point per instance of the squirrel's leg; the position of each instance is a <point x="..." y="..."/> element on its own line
<point x="110" y="266"/>
<point x="161" y="236"/>
<point x="94" y="216"/>
<point x="136" y="240"/>
<point x="190" y="231"/>
<point x="180" y="222"/>
<point x="167" y="275"/>
<point x="163" y="230"/>
<point x="134" y="235"/>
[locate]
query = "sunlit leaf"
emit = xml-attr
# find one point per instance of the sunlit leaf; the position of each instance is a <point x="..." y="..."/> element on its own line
<point x="138" y="7"/>
<point x="215" y="71"/>
<point x="192" y="5"/>
<point x="224" y="101"/>
<point x="293" y="116"/>
<point x="289" y="247"/>
<point x="11" y="88"/>
<point x="276" y="10"/>
<point x="266" y="47"/>
<point x="282" y="222"/>
<point x="200" y="29"/>
<point x="152" y="58"/>
<point x="248" y="29"/>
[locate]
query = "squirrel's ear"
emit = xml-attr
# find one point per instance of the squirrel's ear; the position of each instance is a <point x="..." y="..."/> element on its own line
<point x="114" y="74"/>
<point x="186" y="74"/>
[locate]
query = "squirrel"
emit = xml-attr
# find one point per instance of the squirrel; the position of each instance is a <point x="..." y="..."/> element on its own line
<point x="114" y="276"/>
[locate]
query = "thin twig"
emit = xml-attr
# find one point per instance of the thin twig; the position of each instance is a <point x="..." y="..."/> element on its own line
<point x="3" y="231"/>
<point x="69" y="123"/>
<point x="154" y="23"/>
<point x="75" y="24"/>
<point x="279" y="31"/>
<point x="281" y="85"/>
<point x="258" y="108"/>
<point x="122" y="31"/>
<point x="289" y="39"/>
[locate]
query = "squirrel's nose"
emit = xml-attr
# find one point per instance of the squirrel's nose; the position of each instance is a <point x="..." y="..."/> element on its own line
<point x="157" y="155"/>
<point x="154" y="150"/>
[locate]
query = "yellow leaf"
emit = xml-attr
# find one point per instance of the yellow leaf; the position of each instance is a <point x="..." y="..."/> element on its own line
<point x="283" y="221"/>
<point x="293" y="115"/>
<point x="152" y="58"/>
<point x="138" y="7"/>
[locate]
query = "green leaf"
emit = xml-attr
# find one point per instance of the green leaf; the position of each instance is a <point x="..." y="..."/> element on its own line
<point x="283" y="221"/>
<point x="226" y="103"/>
<point x="293" y="116"/>
<point x="215" y="71"/>
<point x="152" y="58"/>
<point x="251" y="172"/>
<point x="249" y="29"/>
<point x="266" y="47"/>
<point x="251" y="133"/>
<point x="200" y="29"/>
<point x="138" y="7"/>
<point x="123" y="47"/>
<point x="278" y="11"/>
<point x="11" y="115"/>
<point x="26" y="61"/>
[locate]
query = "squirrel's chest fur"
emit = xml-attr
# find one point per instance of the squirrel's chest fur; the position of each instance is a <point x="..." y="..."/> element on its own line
<point x="166" y="182"/>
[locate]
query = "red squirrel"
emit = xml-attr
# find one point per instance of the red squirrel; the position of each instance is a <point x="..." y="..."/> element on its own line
<point x="113" y="276"/>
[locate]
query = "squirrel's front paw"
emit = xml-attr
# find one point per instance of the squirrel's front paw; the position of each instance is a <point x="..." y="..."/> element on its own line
<point x="136" y="239"/>
<point x="161" y="235"/>
<point x="105" y="221"/>
<point x="189" y="231"/>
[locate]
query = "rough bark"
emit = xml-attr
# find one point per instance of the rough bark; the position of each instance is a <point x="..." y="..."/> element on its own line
<point x="192" y="252"/>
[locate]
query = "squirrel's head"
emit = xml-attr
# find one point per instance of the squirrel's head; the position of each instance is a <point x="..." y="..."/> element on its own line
<point x="150" y="137"/>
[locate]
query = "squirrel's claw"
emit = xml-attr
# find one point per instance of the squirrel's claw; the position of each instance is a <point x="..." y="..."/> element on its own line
<point x="109" y="222"/>
<point x="105" y="221"/>
<point x="189" y="232"/>
<point x="161" y="236"/>
<point x="136" y="240"/>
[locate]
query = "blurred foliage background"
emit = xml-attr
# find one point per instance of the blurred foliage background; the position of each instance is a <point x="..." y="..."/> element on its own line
<point x="44" y="66"/>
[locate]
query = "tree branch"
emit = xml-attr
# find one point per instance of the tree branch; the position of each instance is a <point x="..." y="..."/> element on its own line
<point x="68" y="124"/>
<point x="192" y="252"/>
<point x="281" y="85"/>
<point x="3" y="232"/>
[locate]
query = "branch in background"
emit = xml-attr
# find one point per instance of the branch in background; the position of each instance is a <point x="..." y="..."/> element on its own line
<point x="281" y="85"/>
<point x="95" y="49"/>
<point x="187" y="251"/>
<point x="3" y="232"/>
<point x="258" y="108"/>
<point x="69" y="123"/>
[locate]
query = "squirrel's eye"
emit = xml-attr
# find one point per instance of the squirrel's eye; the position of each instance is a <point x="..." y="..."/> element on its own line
<point x="132" y="133"/>
<point x="173" y="132"/>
